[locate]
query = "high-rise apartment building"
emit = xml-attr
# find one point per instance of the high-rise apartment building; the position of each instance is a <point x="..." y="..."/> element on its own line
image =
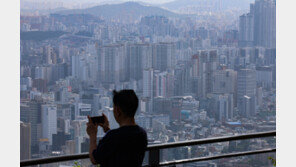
<point x="50" y="55"/>
<point x="148" y="83"/>
<point x="182" y="80"/>
<point x="49" y="121"/>
<point x="223" y="106"/>
<point x="30" y="112"/>
<point x="258" y="27"/>
<point x="25" y="139"/>
<point x="204" y="64"/>
<point x="156" y="25"/>
<point x="111" y="63"/>
<point x="246" y="92"/>
<point x="75" y="66"/>
<point x="246" y="30"/>
<point x="148" y="94"/>
<point x="163" y="84"/>
<point x="164" y="56"/>
<point x="265" y="23"/>
<point x="139" y="57"/>
<point x="225" y="81"/>
<point x="264" y="76"/>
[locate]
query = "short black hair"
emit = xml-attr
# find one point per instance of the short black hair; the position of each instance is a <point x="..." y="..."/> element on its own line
<point x="127" y="101"/>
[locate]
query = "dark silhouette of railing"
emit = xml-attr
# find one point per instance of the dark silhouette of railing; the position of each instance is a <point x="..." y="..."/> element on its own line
<point x="154" y="151"/>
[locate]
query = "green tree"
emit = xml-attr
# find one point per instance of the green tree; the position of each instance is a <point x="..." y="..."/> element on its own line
<point x="272" y="160"/>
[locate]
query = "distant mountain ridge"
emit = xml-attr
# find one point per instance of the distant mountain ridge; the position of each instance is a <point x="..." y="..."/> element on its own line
<point x="222" y="4"/>
<point x="42" y="11"/>
<point x="128" y="11"/>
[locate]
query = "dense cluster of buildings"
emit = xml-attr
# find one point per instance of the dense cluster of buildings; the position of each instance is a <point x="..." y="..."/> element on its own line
<point x="193" y="80"/>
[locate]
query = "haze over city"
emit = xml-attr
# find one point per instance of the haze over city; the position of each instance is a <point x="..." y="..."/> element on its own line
<point x="200" y="69"/>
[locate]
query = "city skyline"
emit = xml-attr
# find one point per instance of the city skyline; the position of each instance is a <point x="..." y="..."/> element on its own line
<point x="197" y="76"/>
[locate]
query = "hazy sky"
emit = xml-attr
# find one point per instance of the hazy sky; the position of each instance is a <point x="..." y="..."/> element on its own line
<point x="98" y="1"/>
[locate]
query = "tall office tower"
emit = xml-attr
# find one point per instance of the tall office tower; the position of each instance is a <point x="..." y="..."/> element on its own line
<point x="111" y="63"/>
<point x="164" y="56"/>
<point x="246" y="30"/>
<point x="49" y="121"/>
<point x="265" y="23"/>
<point x="30" y="112"/>
<point x="139" y="57"/>
<point x="246" y="92"/>
<point x="223" y="106"/>
<point x="225" y="81"/>
<point x="25" y="139"/>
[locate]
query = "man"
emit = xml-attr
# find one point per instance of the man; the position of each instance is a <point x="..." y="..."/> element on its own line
<point x="124" y="146"/>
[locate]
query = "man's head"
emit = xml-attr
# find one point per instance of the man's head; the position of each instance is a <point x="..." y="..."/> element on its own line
<point x="125" y="104"/>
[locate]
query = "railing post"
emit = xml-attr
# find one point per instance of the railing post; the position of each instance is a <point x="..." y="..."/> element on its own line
<point x="153" y="158"/>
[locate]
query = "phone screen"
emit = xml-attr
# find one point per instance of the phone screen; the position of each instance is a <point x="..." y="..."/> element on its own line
<point x="98" y="119"/>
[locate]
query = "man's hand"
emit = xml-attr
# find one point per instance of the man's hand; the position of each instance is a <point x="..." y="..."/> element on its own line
<point x="105" y="125"/>
<point x="91" y="129"/>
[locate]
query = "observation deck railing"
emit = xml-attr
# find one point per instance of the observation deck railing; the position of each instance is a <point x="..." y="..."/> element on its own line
<point x="154" y="151"/>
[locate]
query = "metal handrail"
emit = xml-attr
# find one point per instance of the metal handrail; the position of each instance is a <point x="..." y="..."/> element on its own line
<point x="229" y="155"/>
<point x="155" y="148"/>
<point x="212" y="140"/>
<point x="54" y="159"/>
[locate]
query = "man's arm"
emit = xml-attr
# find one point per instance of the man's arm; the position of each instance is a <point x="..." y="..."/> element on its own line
<point x="92" y="147"/>
<point x="92" y="131"/>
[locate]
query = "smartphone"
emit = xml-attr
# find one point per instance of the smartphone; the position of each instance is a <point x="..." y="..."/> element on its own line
<point x="98" y="119"/>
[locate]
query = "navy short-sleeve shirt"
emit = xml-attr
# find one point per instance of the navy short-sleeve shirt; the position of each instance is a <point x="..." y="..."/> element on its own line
<point x="124" y="146"/>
